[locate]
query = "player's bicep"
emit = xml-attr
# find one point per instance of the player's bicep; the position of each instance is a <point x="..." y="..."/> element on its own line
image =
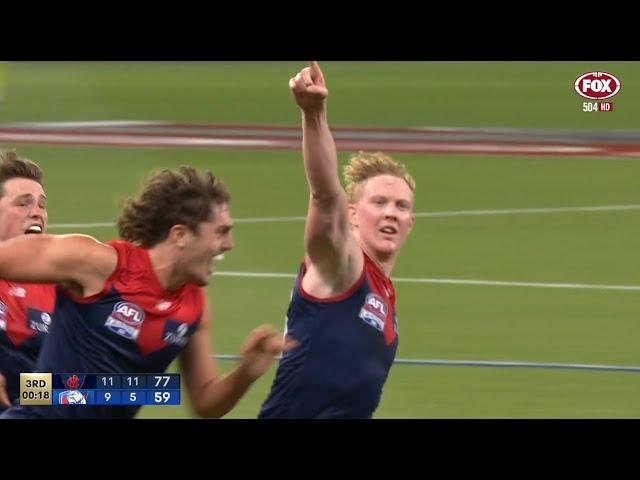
<point x="329" y="244"/>
<point x="55" y="258"/>
<point x="326" y="230"/>
<point x="84" y="259"/>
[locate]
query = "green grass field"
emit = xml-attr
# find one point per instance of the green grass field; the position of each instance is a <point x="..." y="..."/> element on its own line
<point x="454" y="322"/>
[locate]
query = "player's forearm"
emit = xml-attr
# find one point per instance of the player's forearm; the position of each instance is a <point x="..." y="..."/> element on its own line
<point x="320" y="157"/>
<point x="218" y="397"/>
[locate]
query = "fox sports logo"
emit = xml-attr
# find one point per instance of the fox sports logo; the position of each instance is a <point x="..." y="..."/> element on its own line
<point x="597" y="85"/>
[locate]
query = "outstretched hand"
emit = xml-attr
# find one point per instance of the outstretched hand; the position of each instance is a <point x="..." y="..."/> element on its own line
<point x="258" y="351"/>
<point x="309" y="89"/>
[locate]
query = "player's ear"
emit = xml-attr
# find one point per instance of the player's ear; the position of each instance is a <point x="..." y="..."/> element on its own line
<point x="178" y="235"/>
<point x="352" y="210"/>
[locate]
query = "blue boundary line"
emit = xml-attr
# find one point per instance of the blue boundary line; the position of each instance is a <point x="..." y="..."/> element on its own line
<point x="494" y="364"/>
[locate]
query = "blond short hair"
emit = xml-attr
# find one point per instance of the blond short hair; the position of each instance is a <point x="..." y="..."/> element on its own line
<point x="363" y="166"/>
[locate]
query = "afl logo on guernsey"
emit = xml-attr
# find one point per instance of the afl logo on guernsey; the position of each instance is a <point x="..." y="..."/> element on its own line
<point x="374" y="311"/>
<point x="3" y="316"/>
<point x="126" y="320"/>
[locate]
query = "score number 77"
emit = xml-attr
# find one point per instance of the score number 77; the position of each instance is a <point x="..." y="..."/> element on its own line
<point x="161" y="378"/>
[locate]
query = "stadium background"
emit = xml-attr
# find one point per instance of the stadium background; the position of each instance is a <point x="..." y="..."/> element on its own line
<point x="438" y="321"/>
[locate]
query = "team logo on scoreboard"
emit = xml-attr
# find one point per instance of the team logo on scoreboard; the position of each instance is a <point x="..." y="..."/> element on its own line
<point x="374" y="311"/>
<point x="3" y="316"/>
<point x="176" y="333"/>
<point x="126" y="320"/>
<point x="39" y="321"/>
<point x="73" y="381"/>
<point x="72" y="397"/>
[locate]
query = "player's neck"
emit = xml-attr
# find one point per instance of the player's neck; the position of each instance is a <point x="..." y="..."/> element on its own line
<point x="385" y="262"/>
<point x="163" y="265"/>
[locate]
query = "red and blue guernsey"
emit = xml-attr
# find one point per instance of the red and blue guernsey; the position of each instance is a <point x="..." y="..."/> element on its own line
<point x="25" y="318"/>
<point x="131" y="326"/>
<point x="346" y="346"/>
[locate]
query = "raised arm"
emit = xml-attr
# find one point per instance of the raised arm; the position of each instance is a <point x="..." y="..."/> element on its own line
<point x="331" y="249"/>
<point x="79" y="261"/>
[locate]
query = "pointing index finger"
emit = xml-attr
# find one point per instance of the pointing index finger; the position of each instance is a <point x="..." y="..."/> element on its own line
<point x="315" y="70"/>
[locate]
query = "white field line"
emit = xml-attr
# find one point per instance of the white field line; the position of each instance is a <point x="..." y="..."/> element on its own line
<point x="430" y="214"/>
<point x="452" y="281"/>
<point x="490" y="363"/>
<point x="459" y="213"/>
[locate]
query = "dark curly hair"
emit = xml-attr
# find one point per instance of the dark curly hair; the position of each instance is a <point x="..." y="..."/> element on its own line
<point x="170" y="197"/>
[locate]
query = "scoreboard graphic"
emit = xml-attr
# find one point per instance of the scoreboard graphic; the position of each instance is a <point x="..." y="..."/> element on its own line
<point x="99" y="389"/>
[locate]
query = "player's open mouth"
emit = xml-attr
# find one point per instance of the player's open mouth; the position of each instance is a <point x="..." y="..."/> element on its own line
<point x="212" y="262"/>
<point x="389" y="230"/>
<point x="33" y="229"/>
